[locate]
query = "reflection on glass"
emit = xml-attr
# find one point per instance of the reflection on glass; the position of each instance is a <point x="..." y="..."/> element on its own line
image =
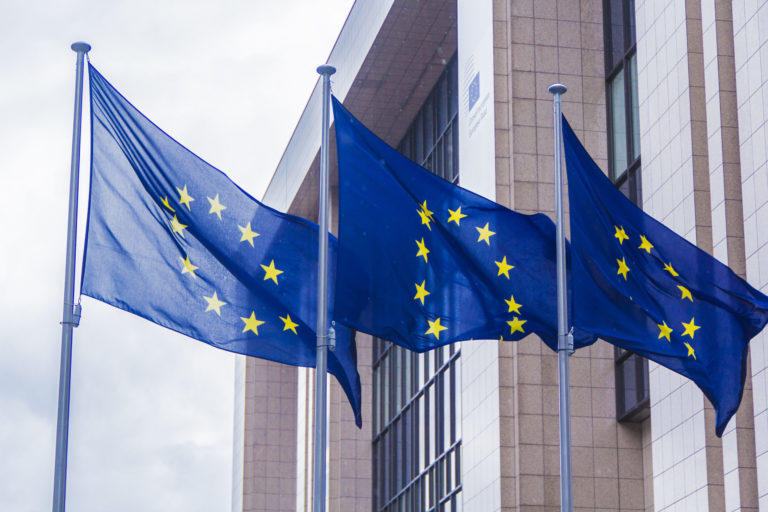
<point x="631" y="22"/>
<point x="376" y="390"/>
<point x="447" y="411"/>
<point x="397" y="353"/>
<point x="422" y="447"/>
<point x="385" y="415"/>
<point x="418" y="146"/>
<point x="617" y="32"/>
<point x="431" y="423"/>
<point x="618" y="125"/>
<point x="408" y="372"/>
<point x="422" y="374"/>
<point x="429" y="127"/>
<point x="634" y="107"/>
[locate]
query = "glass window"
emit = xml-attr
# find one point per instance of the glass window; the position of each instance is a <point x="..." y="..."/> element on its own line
<point x="621" y="91"/>
<point x="429" y="126"/>
<point x="385" y="394"/>
<point x="634" y="109"/>
<point x="397" y="379"/>
<point x="431" y="413"/>
<point x="618" y="125"/>
<point x="407" y="374"/>
<point x="616" y="34"/>
<point x="632" y="393"/>
<point x="630" y="23"/>
<point x="421" y="448"/>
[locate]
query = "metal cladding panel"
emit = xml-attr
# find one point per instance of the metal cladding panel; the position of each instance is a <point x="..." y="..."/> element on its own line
<point x="352" y="46"/>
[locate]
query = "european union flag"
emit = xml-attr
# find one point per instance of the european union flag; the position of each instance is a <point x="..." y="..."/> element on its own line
<point x="642" y="287"/>
<point x="174" y="240"/>
<point x="424" y="263"/>
<point x="474" y="90"/>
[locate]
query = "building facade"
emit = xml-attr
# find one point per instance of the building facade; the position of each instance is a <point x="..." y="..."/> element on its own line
<point x="670" y="98"/>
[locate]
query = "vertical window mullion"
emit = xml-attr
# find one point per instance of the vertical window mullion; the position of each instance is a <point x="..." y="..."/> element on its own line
<point x="628" y="109"/>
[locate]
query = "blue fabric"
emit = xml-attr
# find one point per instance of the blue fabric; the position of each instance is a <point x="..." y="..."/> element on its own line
<point x="490" y="274"/>
<point x="695" y="318"/>
<point x="139" y="258"/>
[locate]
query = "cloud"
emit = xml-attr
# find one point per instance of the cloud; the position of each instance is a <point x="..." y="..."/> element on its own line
<point x="151" y="412"/>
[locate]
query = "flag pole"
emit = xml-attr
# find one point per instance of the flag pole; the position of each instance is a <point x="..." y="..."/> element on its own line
<point x="71" y="316"/>
<point x="321" y="367"/>
<point x="565" y="339"/>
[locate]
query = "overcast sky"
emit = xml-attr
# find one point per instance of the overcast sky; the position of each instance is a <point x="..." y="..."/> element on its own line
<point x="151" y="411"/>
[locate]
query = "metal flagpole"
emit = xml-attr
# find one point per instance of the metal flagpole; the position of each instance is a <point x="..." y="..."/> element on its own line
<point x="321" y="372"/>
<point x="565" y="339"/>
<point x="71" y="315"/>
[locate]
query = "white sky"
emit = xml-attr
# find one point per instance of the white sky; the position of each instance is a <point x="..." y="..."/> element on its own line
<point x="151" y="411"/>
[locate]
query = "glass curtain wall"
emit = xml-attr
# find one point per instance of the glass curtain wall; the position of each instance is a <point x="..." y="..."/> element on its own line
<point x="416" y="401"/>
<point x="632" y="393"/>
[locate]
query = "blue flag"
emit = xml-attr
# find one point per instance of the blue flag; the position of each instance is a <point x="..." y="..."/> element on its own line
<point x="173" y="240"/>
<point x="642" y="287"/>
<point x="424" y="263"/>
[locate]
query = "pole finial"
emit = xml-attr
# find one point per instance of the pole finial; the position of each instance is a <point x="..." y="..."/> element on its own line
<point x="81" y="47"/>
<point x="325" y="69"/>
<point x="557" y="89"/>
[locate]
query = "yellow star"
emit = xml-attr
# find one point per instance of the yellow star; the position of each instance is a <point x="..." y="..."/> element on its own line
<point x="251" y="324"/>
<point x="456" y="216"/>
<point x="166" y="204"/>
<point x="290" y="325"/>
<point x="620" y="234"/>
<point x="504" y="267"/>
<point x="424" y="218"/>
<point x="516" y="325"/>
<point x="435" y="328"/>
<point x="423" y="251"/>
<point x="177" y="226"/>
<point x="686" y="293"/>
<point x="421" y="292"/>
<point x="184" y="197"/>
<point x="216" y="206"/>
<point x="691" y="353"/>
<point x="248" y="235"/>
<point x="645" y="244"/>
<point x="664" y="330"/>
<point x="485" y="234"/>
<point x="270" y="272"/>
<point x="188" y="266"/>
<point x="690" y="328"/>
<point x="214" y="304"/>
<point x="623" y="268"/>
<point x="668" y="268"/>
<point x="426" y="210"/>
<point x="513" y="306"/>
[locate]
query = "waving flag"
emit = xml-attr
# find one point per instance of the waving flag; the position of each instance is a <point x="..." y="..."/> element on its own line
<point x="424" y="263"/>
<point x="172" y="239"/>
<point x="639" y="285"/>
